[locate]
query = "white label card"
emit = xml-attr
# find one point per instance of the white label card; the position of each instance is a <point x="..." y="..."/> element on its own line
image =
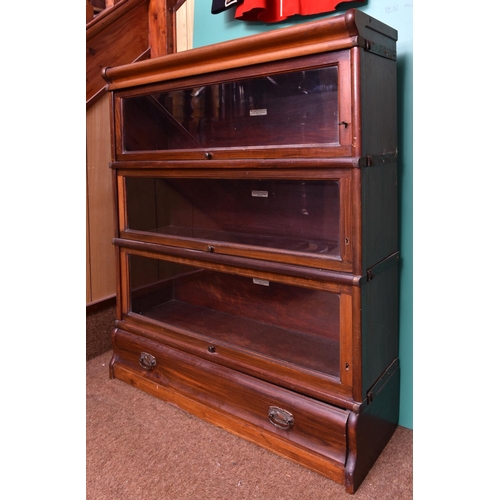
<point x="260" y="194"/>
<point x="258" y="112"/>
<point x="258" y="281"/>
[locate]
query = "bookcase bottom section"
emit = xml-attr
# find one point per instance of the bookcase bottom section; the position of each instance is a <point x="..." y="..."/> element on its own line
<point x="332" y="441"/>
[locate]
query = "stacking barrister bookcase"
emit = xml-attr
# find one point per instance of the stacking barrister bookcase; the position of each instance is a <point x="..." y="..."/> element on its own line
<point x="257" y="237"/>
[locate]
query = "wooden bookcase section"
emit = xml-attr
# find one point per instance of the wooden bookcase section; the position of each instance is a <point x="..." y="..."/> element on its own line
<point x="257" y="237"/>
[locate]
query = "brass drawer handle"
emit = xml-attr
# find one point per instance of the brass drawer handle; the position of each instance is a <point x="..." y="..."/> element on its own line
<point x="147" y="361"/>
<point x="280" y="418"/>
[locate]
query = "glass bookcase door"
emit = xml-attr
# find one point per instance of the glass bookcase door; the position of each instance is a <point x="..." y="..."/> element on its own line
<point x="289" y="108"/>
<point x="294" y="216"/>
<point x="290" y="324"/>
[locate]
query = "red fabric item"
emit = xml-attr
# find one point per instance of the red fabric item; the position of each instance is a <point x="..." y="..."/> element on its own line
<point x="272" y="11"/>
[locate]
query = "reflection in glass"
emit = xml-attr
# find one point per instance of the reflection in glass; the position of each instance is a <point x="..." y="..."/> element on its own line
<point x="287" y="323"/>
<point x="294" y="108"/>
<point x="298" y="216"/>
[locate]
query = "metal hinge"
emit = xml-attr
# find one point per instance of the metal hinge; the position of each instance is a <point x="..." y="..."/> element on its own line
<point x="380" y="50"/>
<point x="382" y="380"/>
<point x="374" y="160"/>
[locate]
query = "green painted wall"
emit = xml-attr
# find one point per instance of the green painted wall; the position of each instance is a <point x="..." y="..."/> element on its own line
<point x="209" y="29"/>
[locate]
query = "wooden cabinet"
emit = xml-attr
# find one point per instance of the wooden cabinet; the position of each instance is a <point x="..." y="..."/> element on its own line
<point x="257" y="237"/>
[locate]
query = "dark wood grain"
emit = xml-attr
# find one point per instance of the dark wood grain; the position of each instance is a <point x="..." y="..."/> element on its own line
<point x="258" y="251"/>
<point x="332" y="34"/>
<point x="318" y="427"/>
<point x="117" y="36"/>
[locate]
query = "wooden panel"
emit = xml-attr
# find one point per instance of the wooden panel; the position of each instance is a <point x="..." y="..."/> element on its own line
<point x="184" y="24"/>
<point x="89" y="11"/>
<point x="300" y="309"/>
<point x="379" y="197"/>
<point x="100" y="201"/>
<point x="157" y="19"/>
<point x="117" y="41"/>
<point x="379" y="324"/>
<point x="346" y="365"/>
<point x="88" y="287"/>
<point x="378" y="88"/>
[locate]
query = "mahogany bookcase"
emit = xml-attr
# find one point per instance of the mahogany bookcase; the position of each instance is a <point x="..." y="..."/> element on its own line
<point x="257" y="237"/>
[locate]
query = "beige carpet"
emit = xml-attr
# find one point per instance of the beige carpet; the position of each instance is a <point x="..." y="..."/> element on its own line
<point x="139" y="447"/>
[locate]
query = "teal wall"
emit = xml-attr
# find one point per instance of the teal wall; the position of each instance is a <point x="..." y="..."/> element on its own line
<point x="209" y="29"/>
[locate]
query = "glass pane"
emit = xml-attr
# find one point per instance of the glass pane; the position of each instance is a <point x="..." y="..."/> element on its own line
<point x="287" y="323"/>
<point x="300" y="216"/>
<point x="295" y="108"/>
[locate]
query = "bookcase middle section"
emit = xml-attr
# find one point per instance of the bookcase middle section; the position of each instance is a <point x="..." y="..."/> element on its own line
<point x="306" y="222"/>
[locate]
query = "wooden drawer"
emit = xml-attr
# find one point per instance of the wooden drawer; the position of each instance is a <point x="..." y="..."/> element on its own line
<point x="288" y="424"/>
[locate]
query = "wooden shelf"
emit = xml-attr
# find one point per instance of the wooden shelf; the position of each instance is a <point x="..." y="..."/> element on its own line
<point x="298" y="348"/>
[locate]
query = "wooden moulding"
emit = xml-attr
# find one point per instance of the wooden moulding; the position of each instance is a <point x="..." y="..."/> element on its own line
<point x="178" y="168"/>
<point x="109" y="16"/>
<point x="352" y="29"/>
<point x="201" y="259"/>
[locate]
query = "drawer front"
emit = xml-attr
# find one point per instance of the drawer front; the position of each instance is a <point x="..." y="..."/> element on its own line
<point x="294" y="419"/>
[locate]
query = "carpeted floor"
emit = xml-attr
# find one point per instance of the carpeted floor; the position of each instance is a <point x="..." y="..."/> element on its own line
<point x="100" y="325"/>
<point x="139" y="447"/>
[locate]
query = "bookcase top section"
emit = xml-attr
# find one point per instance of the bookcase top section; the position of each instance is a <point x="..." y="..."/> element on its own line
<point x="352" y="29"/>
